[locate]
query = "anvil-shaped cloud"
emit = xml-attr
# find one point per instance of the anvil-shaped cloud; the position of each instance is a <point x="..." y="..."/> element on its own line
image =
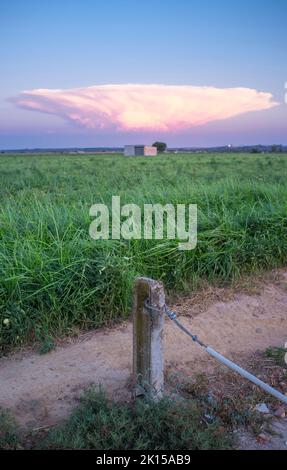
<point x="138" y="107"/>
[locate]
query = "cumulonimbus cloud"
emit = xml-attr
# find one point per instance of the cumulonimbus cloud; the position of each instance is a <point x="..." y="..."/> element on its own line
<point x="138" y="107"/>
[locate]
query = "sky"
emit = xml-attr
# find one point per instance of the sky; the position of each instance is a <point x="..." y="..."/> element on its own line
<point x="89" y="73"/>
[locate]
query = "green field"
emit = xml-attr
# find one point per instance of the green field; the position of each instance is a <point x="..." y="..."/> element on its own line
<point x="54" y="279"/>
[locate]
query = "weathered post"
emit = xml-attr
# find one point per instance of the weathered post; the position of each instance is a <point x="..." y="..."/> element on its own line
<point x="148" y="326"/>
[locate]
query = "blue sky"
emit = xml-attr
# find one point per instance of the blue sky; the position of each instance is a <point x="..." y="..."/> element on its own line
<point x="72" y="45"/>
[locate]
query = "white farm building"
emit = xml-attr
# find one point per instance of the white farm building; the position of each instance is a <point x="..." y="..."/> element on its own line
<point x="140" y="150"/>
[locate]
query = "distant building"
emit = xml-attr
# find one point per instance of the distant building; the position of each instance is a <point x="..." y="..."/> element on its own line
<point x="140" y="150"/>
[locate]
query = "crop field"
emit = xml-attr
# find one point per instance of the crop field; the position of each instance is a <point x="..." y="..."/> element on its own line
<point x="55" y="280"/>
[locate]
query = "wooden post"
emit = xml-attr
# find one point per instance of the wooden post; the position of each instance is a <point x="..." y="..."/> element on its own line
<point x="148" y="337"/>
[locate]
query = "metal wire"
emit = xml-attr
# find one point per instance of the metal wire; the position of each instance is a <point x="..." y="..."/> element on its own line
<point x="172" y="316"/>
<point x="215" y="354"/>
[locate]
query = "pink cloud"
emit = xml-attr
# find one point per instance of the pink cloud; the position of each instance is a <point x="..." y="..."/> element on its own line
<point x="136" y="107"/>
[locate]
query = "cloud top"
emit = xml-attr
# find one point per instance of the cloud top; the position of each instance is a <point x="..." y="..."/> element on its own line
<point x="137" y="107"/>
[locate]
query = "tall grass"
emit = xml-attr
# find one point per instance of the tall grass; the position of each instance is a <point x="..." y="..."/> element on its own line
<point x="54" y="278"/>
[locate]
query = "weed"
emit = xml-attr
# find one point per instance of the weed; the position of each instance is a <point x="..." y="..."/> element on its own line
<point x="9" y="437"/>
<point x="277" y="354"/>
<point x="144" y="425"/>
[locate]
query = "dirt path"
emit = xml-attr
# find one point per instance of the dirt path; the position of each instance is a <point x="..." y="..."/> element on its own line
<point x="41" y="390"/>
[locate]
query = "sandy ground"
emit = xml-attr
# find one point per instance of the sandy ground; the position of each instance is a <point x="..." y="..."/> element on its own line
<point x="41" y="390"/>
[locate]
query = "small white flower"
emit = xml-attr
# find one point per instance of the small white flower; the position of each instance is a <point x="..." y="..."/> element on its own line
<point x="6" y="322"/>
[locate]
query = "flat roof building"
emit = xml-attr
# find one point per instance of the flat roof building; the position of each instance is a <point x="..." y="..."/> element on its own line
<point x="140" y="150"/>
